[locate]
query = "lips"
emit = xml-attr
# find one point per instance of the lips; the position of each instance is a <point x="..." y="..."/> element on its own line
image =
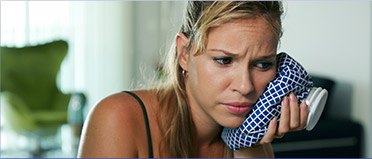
<point x="238" y="108"/>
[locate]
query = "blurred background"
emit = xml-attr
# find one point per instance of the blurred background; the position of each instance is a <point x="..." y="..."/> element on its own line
<point x="64" y="56"/>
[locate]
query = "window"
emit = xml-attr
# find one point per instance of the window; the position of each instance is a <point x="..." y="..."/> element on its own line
<point x="32" y="22"/>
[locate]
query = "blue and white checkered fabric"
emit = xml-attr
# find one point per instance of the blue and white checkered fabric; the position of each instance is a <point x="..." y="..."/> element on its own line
<point x="290" y="77"/>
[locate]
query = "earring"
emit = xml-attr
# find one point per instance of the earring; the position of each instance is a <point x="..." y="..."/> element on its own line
<point x="183" y="73"/>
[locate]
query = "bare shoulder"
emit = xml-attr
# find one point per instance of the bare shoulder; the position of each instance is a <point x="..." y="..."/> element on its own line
<point x="120" y="106"/>
<point x="111" y="128"/>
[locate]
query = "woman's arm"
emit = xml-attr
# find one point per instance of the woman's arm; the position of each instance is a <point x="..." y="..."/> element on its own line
<point x="108" y="130"/>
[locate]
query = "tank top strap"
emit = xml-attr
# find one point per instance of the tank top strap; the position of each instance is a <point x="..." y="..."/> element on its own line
<point x="147" y="124"/>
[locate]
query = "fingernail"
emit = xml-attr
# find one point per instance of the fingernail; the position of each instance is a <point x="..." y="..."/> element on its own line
<point x="292" y="96"/>
<point x="275" y="118"/>
<point x="304" y="105"/>
<point x="285" y="101"/>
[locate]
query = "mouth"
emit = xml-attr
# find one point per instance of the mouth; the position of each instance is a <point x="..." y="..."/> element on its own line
<point x="238" y="108"/>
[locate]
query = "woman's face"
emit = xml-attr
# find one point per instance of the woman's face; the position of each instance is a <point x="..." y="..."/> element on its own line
<point x="224" y="82"/>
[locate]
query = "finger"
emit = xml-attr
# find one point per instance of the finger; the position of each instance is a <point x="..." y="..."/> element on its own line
<point x="270" y="134"/>
<point x="304" y="111"/>
<point x="284" y="117"/>
<point x="295" y="122"/>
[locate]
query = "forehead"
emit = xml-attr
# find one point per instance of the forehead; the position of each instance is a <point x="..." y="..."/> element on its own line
<point x="241" y="33"/>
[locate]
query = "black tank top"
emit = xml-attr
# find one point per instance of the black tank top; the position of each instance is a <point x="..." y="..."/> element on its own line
<point x="148" y="132"/>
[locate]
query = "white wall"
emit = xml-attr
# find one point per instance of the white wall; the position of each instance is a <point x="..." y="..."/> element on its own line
<point x="333" y="39"/>
<point x="155" y="25"/>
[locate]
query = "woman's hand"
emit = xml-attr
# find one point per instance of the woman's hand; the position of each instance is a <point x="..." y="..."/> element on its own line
<point x="293" y="118"/>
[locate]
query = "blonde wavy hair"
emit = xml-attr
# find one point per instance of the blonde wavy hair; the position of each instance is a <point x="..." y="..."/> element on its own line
<point x="176" y="122"/>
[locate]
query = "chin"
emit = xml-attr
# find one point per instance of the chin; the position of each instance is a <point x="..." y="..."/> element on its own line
<point x="233" y="122"/>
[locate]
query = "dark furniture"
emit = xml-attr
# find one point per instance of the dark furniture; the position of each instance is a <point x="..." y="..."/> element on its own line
<point x="331" y="137"/>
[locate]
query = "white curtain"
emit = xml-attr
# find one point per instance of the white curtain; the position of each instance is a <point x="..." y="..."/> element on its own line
<point x="109" y="41"/>
<point x="33" y="22"/>
<point x="102" y="42"/>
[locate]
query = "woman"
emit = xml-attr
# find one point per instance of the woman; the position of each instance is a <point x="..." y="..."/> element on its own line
<point x="222" y="60"/>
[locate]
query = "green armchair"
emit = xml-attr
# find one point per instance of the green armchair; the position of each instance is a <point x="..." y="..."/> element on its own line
<point x="31" y="102"/>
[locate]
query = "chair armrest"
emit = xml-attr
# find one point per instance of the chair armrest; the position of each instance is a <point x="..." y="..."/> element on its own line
<point x="16" y="114"/>
<point x="45" y="118"/>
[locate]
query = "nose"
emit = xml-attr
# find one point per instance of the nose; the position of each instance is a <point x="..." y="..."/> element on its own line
<point x="242" y="83"/>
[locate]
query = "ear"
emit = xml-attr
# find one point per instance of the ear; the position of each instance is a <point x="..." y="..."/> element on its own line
<point x="181" y="47"/>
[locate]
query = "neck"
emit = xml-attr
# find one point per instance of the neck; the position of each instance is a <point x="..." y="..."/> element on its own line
<point x="207" y="133"/>
<point x="209" y="142"/>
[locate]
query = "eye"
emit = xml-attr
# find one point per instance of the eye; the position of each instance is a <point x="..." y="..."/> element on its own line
<point x="264" y="65"/>
<point x="223" y="60"/>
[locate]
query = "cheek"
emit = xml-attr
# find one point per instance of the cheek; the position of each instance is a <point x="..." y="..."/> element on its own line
<point x="208" y="77"/>
<point x="261" y="79"/>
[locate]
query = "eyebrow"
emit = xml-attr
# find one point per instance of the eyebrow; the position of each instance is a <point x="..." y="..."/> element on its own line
<point x="235" y="54"/>
<point x="224" y="51"/>
<point x="267" y="56"/>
